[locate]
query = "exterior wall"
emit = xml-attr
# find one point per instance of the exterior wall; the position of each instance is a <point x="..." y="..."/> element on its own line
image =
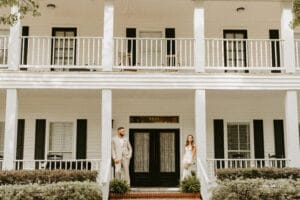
<point x="61" y="106"/>
<point x="156" y="15"/>
<point x="239" y="106"/>
<point x="256" y="18"/>
<point x="87" y="16"/>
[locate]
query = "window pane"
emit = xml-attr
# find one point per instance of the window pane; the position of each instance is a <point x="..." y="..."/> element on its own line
<point x="167" y="152"/>
<point x="238" y="140"/>
<point x="232" y="131"/>
<point x="61" y="138"/>
<point x="141" y="152"/>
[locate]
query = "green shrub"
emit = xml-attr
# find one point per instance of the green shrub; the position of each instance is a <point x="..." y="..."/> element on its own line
<point x="119" y="186"/>
<point x="190" y="184"/>
<point x="57" y="191"/>
<point x="265" y="173"/>
<point x="45" y="176"/>
<point x="257" y="189"/>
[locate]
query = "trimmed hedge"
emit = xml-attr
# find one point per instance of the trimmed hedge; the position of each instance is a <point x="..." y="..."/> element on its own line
<point x="257" y="189"/>
<point x="190" y="184"/>
<point x="23" y="177"/>
<point x="57" y="191"/>
<point x="119" y="186"/>
<point x="265" y="173"/>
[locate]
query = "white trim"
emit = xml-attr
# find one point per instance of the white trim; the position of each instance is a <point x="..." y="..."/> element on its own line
<point x="189" y="81"/>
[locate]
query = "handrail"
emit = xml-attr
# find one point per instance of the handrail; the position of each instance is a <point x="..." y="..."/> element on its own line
<point x="203" y="171"/>
<point x="106" y="177"/>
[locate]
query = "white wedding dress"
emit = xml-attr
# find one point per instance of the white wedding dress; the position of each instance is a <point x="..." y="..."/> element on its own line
<point x="187" y="160"/>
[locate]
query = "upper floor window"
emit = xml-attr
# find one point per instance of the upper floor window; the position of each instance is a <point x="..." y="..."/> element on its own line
<point x="64" y="46"/>
<point x="238" y="137"/>
<point x="61" y="139"/>
<point x="4" y="33"/>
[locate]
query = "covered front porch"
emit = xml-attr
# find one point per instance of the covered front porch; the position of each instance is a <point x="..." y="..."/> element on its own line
<point x="62" y="128"/>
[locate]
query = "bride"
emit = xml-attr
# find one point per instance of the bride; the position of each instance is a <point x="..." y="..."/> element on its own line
<point x="188" y="156"/>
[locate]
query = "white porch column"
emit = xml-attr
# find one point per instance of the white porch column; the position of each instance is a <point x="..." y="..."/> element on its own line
<point x="292" y="129"/>
<point x="200" y="138"/>
<point x="199" y="47"/>
<point x="108" y="33"/>
<point x="10" y="133"/>
<point x="287" y="34"/>
<point x="106" y="127"/>
<point x="14" y="42"/>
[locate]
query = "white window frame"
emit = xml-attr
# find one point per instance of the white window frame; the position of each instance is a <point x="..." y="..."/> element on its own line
<point x="47" y="142"/>
<point x="250" y="123"/>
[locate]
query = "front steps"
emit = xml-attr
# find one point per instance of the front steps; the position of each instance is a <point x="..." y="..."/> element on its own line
<point x="156" y="193"/>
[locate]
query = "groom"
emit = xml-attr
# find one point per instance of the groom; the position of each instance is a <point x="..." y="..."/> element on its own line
<point x="121" y="154"/>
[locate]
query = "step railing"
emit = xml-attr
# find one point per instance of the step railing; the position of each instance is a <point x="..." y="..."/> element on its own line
<point x="234" y="55"/>
<point x="61" y="52"/>
<point x="154" y="53"/>
<point x="72" y="164"/>
<point x="214" y="164"/>
<point x="3" y="51"/>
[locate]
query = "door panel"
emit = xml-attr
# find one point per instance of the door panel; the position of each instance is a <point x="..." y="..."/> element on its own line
<point x="155" y="160"/>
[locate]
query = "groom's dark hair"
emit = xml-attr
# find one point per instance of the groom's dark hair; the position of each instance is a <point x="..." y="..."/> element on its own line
<point x="121" y="128"/>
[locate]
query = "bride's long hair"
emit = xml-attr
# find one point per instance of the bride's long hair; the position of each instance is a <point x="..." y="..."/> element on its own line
<point x="187" y="141"/>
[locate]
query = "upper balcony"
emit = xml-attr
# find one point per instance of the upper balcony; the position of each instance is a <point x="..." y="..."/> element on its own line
<point x="154" y="36"/>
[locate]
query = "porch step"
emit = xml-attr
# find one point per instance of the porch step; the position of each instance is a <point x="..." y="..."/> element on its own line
<point x="156" y="193"/>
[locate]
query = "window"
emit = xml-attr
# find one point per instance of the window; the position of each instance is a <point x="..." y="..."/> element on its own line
<point x="61" y="139"/>
<point x="63" y="46"/>
<point x="3" y="46"/>
<point x="1" y="139"/>
<point x="238" y="136"/>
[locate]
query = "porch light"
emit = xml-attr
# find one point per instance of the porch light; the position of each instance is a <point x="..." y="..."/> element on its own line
<point x="239" y="9"/>
<point x="51" y="6"/>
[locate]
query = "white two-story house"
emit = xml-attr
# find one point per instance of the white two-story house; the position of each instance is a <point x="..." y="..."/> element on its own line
<point x="225" y="71"/>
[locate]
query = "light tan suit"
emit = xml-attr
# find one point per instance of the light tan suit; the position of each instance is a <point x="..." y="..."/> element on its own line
<point x="122" y="153"/>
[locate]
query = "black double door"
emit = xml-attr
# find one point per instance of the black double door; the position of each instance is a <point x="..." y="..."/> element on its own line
<point x="155" y="159"/>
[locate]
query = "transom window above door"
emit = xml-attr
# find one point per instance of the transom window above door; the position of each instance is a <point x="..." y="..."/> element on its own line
<point x="238" y="140"/>
<point x="61" y="140"/>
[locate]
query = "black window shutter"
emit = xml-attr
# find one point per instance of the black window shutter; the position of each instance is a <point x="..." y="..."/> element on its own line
<point x="20" y="139"/>
<point x="40" y="136"/>
<point x="24" y="45"/>
<point x="219" y="138"/>
<point x="81" y="139"/>
<point x="275" y="49"/>
<point x="131" y="44"/>
<point x="279" y="139"/>
<point x="219" y="141"/>
<point x="170" y="33"/>
<point x="259" y="151"/>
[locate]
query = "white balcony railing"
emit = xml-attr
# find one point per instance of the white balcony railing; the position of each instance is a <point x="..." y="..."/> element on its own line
<point x="244" y="54"/>
<point x="61" y="52"/>
<point x="214" y="164"/>
<point x="3" y="51"/>
<point x="86" y="164"/>
<point x="154" y="53"/>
